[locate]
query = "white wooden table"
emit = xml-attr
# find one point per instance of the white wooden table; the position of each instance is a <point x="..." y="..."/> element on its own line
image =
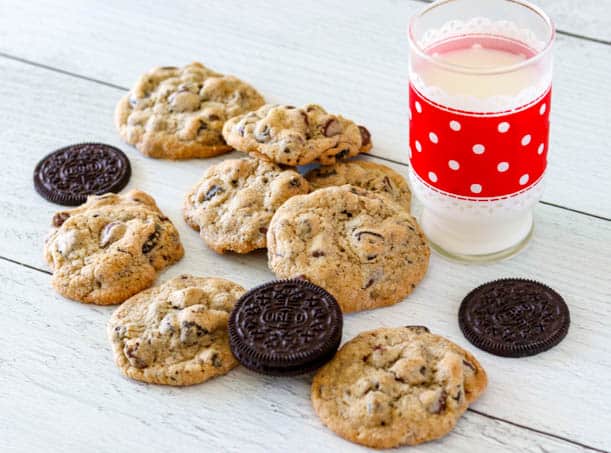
<point x="64" y="65"/>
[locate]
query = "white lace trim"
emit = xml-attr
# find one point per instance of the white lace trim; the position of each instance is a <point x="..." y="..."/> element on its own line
<point x="482" y="25"/>
<point x="480" y="105"/>
<point x="465" y="208"/>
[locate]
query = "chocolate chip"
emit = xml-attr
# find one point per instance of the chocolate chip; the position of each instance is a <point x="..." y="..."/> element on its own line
<point x="347" y="213"/>
<point x="458" y="396"/>
<point x="263" y="230"/>
<point x="213" y="117"/>
<point x="120" y="332"/>
<point x="290" y="107"/>
<point x="203" y="126"/>
<point x="423" y="370"/>
<point x="59" y="218"/>
<point x="216" y="361"/>
<point x="371" y="257"/>
<point x="305" y="118"/>
<point x="213" y="192"/>
<point x="190" y="332"/>
<point x="369" y="283"/>
<point x="263" y="135"/>
<point x="294" y="182"/>
<point x="318" y="253"/>
<point x="107" y="235"/>
<point x="365" y="136"/>
<point x="418" y="329"/>
<point x="152" y="240"/>
<point x="325" y="173"/>
<point x="441" y="403"/>
<point x="387" y="183"/>
<point x="331" y="128"/>
<point x="360" y="234"/>
<point x="130" y="352"/>
<point x="343" y="153"/>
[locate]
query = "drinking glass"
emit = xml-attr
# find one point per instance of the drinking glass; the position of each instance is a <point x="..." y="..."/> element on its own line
<point x="479" y="102"/>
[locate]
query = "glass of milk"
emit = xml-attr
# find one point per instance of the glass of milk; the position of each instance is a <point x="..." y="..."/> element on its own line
<point x="479" y="104"/>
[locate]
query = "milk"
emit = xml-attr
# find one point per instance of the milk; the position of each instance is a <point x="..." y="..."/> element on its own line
<point x="478" y="81"/>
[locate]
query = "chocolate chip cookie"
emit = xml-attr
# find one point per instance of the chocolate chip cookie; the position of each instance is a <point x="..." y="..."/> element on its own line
<point x="365" y="251"/>
<point x="110" y="248"/>
<point x="233" y="203"/>
<point x="390" y="387"/>
<point x="367" y="175"/>
<point x="178" y="113"/>
<point x="176" y="333"/>
<point x="296" y="136"/>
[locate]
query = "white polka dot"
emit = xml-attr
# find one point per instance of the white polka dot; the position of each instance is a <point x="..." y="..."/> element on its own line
<point x="418" y="107"/>
<point x="453" y="165"/>
<point x="524" y="179"/>
<point x="502" y="166"/>
<point x="455" y="125"/>
<point x="526" y="139"/>
<point x="418" y="146"/>
<point x="541" y="148"/>
<point x="432" y="176"/>
<point x="433" y="137"/>
<point x="542" y="109"/>
<point x="476" y="188"/>
<point x="479" y="148"/>
<point x="503" y="127"/>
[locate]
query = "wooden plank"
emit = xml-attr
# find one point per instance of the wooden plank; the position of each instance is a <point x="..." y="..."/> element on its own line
<point x="589" y="18"/>
<point x="530" y="391"/>
<point x="60" y="390"/>
<point x="352" y="60"/>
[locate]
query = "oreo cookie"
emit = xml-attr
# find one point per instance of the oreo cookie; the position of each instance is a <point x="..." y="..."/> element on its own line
<point x="68" y="175"/>
<point x="285" y="328"/>
<point x="514" y="317"/>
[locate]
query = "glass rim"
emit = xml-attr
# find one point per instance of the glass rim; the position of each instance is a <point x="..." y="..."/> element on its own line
<point x="482" y="71"/>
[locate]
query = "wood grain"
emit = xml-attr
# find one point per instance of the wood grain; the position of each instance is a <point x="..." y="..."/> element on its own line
<point x="530" y="392"/>
<point x="351" y="60"/>
<point x="61" y="392"/>
<point x="588" y="18"/>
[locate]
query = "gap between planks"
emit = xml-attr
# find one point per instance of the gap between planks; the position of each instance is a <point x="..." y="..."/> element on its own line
<point x="481" y="414"/>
